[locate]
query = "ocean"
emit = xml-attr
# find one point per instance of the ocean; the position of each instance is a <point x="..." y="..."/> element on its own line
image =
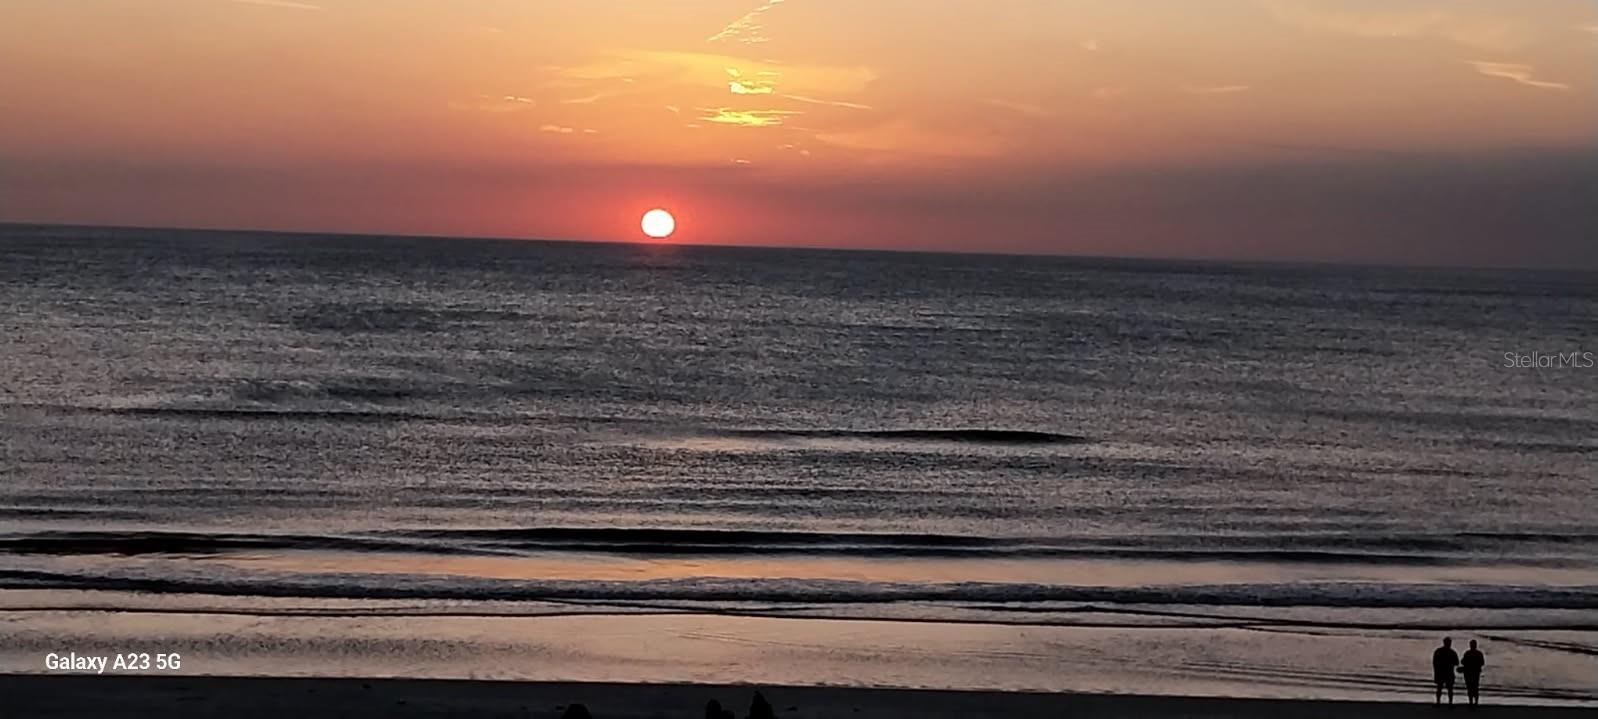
<point x="378" y="454"/>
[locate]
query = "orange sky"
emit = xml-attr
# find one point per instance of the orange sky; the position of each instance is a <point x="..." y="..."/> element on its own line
<point x="1344" y="130"/>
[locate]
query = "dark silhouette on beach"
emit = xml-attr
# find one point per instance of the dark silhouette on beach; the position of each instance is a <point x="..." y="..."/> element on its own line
<point x="713" y="710"/>
<point x="576" y="711"/>
<point x="1470" y="666"/>
<point x="759" y="708"/>
<point x="1443" y="662"/>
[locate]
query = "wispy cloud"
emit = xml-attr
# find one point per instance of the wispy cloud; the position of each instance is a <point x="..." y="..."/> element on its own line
<point x="1020" y="108"/>
<point x="285" y="4"/>
<point x="903" y="137"/>
<point x="496" y="103"/>
<point x="1516" y="72"/>
<point x="1476" y="25"/>
<point x="745" y="118"/>
<point x="1215" y="89"/>
<point x="1326" y="151"/>
<point x="566" y="130"/>
<point x="1106" y="93"/>
<point x="1091" y="44"/>
<point x="831" y="103"/>
<point x="746" y="29"/>
<point x="710" y="70"/>
<point x="685" y="75"/>
<point x="740" y="85"/>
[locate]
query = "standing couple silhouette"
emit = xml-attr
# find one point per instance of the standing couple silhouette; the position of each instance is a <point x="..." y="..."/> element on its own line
<point x="1445" y="660"/>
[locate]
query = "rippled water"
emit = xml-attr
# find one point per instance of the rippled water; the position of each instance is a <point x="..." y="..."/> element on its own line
<point x="247" y="414"/>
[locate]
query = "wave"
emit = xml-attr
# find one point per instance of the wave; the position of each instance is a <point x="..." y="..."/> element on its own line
<point x="1526" y="548"/>
<point x="344" y="319"/>
<point x="190" y="543"/>
<point x="67" y="513"/>
<point x="222" y="581"/>
<point x="263" y="401"/>
<point x="263" y="413"/>
<point x="964" y="436"/>
<point x="281" y="415"/>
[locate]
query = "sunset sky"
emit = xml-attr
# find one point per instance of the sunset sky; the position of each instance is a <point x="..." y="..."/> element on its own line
<point x="1416" y="131"/>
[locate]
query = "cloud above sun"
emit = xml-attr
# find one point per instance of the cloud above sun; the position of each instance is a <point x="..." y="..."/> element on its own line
<point x="740" y="85"/>
<point x="745" y="118"/>
<point x="747" y="29"/>
<point x="718" y="71"/>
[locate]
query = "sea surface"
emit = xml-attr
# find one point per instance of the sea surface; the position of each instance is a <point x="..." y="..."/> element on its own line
<point x="1211" y="465"/>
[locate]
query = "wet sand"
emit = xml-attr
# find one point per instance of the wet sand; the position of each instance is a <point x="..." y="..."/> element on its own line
<point x="238" y="698"/>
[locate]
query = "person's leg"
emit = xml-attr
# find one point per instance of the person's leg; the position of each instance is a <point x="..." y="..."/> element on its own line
<point x="1450" y="691"/>
<point x="1439" y="700"/>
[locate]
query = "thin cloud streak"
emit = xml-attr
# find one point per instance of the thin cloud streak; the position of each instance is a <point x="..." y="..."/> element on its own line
<point x="1215" y="89"/>
<point x="491" y="103"/>
<point x="831" y="103"/>
<point x="1020" y="108"/>
<point x="1514" y="71"/>
<point x="1472" y="25"/>
<point x="285" y="4"/>
<point x="746" y="29"/>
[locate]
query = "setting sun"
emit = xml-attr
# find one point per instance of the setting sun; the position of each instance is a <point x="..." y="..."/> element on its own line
<point x="658" y="223"/>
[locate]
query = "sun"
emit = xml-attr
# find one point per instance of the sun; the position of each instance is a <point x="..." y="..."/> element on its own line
<point x="658" y="223"/>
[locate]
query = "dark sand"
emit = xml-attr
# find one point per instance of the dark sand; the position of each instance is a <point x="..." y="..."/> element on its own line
<point x="237" y="698"/>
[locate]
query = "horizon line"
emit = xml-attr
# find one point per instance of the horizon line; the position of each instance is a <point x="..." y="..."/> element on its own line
<point x="1307" y="263"/>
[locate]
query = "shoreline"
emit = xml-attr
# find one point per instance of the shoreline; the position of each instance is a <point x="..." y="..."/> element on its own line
<point x="1530" y="667"/>
<point x="38" y="695"/>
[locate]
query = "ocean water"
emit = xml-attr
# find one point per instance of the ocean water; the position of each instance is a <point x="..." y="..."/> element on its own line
<point x="382" y="427"/>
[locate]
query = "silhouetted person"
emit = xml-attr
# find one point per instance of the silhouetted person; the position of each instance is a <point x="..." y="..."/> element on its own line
<point x="1470" y="666"/>
<point x="713" y="710"/>
<point x="576" y="711"/>
<point x="759" y="708"/>
<point x="1443" y="662"/>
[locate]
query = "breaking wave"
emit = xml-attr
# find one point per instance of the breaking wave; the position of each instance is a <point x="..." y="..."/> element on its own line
<point x="1330" y="548"/>
<point x="224" y="581"/>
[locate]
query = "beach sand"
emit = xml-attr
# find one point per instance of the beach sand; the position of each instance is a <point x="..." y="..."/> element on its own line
<point x="237" y="698"/>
